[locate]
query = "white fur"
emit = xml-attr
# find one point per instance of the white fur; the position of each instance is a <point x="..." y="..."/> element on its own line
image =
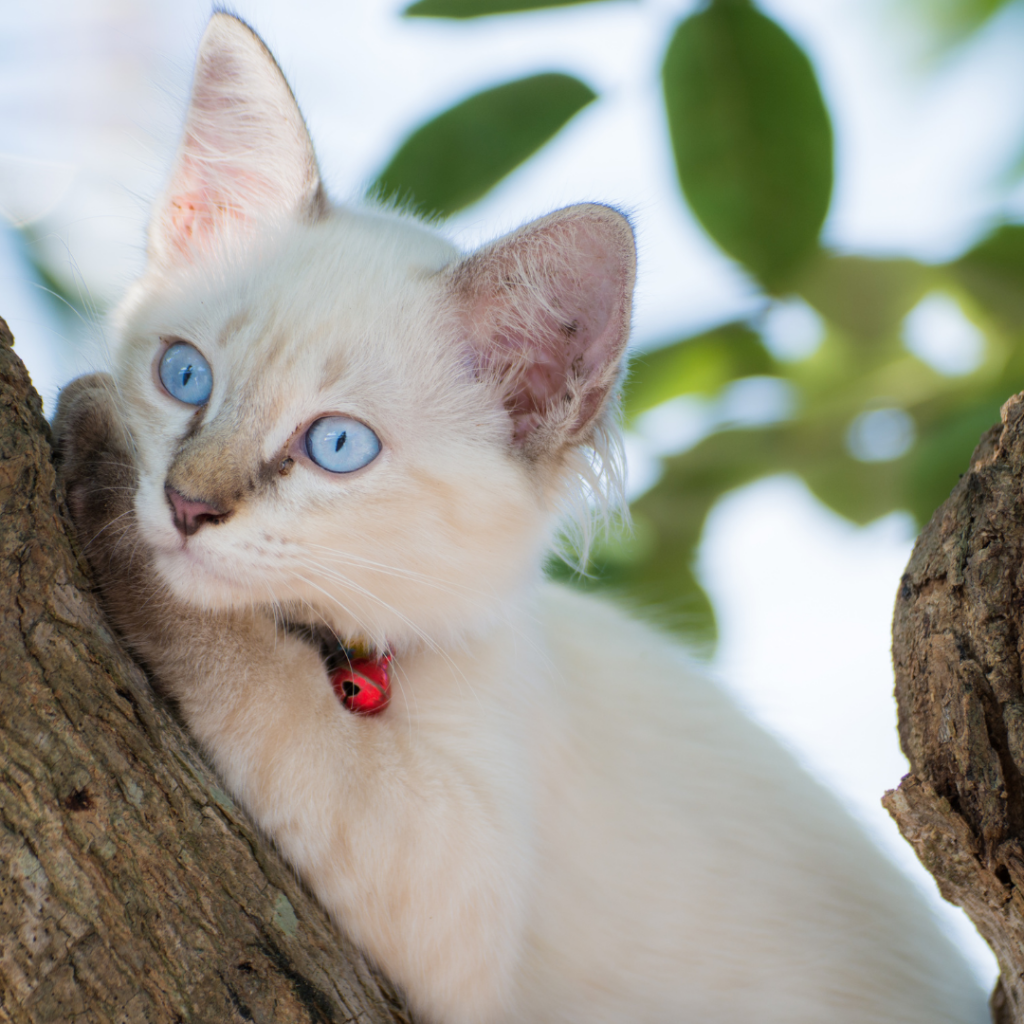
<point x="556" y="819"/>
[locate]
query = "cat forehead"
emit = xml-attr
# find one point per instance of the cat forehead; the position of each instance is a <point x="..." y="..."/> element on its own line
<point x="350" y="276"/>
<point x="349" y="315"/>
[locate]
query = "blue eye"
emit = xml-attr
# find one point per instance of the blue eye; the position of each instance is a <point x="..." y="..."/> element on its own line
<point x="186" y="374"/>
<point x="341" y="445"/>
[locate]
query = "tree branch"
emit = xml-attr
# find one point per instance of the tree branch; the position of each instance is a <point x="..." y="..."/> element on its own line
<point x="957" y="652"/>
<point x="132" y="889"/>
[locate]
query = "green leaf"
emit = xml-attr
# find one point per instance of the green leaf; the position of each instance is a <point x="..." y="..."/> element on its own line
<point x="866" y="299"/>
<point x="460" y="155"/>
<point x="670" y="518"/>
<point x="478" y="8"/>
<point x="698" y="365"/>
<point x="956" y="19"/>
<point x="751" y="135"/>
<point x="944" y="453"/>
<point x="658" y="573"/>
<point x="993" y="272"/>
<point x="861" y="491"/>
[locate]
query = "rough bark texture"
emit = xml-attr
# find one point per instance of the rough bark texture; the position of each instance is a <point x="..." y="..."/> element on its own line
<point x="958" y="642"/>
<point x="131" y="888"/>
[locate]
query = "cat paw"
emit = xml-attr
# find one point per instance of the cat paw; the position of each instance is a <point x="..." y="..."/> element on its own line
<point x="93" y="457"/>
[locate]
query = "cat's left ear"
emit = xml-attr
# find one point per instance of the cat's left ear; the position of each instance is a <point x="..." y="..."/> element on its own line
<point x="245" y="157"/>
<point x="546" y="312"/>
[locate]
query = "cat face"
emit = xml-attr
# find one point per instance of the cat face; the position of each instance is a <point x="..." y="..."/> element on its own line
<point x="341" y="318"/>
<point x="470" y="386"/>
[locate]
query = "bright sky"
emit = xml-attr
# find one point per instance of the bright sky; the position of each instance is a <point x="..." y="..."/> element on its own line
<point x="91" y="96"/>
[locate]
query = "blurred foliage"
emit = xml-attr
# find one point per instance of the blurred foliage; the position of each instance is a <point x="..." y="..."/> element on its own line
<point x="752" y="137"/>
<point x="752" y="141"/>
<point x="479" y="8"/>
<point x="64" y="293"/>
<point x="956" y="18"/>
<point x="700" y="365"/>
<point x="991" y="272"/>
<point x="463" y="153"/>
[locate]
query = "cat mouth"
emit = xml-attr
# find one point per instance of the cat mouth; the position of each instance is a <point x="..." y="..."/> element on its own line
<point x="187" y="563"/>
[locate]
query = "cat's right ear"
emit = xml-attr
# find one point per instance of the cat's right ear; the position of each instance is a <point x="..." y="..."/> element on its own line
<point x="245" y="157"/>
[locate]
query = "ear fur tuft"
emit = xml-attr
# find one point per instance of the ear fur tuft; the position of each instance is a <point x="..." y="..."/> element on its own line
<point x="546" y="314"/>
<point x="245" y="156"/>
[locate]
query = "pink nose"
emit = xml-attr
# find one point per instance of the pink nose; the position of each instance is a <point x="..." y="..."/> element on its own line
<point x="190" y="515"/>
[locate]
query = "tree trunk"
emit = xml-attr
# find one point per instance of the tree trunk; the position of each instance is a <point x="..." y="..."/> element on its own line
<point x="957" y="646"/>
<point x="132" y="889"/>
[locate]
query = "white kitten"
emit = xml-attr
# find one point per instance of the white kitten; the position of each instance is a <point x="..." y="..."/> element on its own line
<point x="330" y="417"/>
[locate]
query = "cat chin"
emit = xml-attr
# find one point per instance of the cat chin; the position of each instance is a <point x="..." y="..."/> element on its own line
<point x="195" y="582"/>
<point x="187" y="567"/>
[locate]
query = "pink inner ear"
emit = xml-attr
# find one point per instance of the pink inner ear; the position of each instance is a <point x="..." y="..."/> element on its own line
<point x="571" y="352"/>
<point x="245" y="158"/>
<point x="549" y="317"/>
<point x="193" y="220"/>
<point x="198" y="213"/>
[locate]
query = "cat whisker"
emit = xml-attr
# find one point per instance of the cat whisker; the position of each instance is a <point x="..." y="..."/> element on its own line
<point x="424" y="637"/>
<point x="86" y="322"/>
<point x="419" y="632"/>
<point x="362" y="625"/>
<point x="393" y="570"/>
<point x="103" y="529"/>
<point x="346" y="581"/>
<point x="351" y="584"/>
<point x="340" y="577"/>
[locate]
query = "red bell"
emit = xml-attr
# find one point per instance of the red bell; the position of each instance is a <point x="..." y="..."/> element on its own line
<point x="364" y="685"/>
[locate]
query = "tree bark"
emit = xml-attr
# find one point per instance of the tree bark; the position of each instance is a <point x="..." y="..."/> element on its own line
<point x="132" y="889"/>
<point x="958" y="642"/>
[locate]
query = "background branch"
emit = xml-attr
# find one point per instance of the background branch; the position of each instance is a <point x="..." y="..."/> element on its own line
<point x="957" y="651"/>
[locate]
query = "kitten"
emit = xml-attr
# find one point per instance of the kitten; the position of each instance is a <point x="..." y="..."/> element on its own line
<point x="329" y="423"/>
